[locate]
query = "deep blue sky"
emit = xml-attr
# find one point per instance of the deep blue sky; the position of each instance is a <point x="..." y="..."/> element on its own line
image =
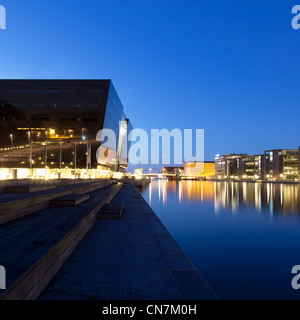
<point x="229" y="67"/>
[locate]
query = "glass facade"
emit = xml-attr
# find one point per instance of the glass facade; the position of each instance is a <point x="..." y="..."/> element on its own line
<point x="52" y="124"/>
<point x="282" y="164"/>
<point x="227" y="166"/>
<point x="220" y="169"/>
<point x="290" y="160"/>
<point x="252" y="167"/>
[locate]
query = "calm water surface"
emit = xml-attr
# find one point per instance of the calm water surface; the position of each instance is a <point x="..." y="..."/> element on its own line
<point x="244" y="238"/>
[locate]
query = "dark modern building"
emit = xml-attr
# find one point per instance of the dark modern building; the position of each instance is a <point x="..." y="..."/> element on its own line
<point x="282" y="164"/>
<point x="251" y="167"/>
<point x="51" y="126"/>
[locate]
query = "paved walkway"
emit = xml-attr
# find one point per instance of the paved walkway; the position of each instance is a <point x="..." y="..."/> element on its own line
<point x="134" y="258"/>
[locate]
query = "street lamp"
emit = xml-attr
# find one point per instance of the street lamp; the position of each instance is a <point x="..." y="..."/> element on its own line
<point x="30" y="153"/>
<point x="60" y="158"/>
<point x="46" y="151"/>
<point x="11" y="139"/>
<point x="75" y="159"/>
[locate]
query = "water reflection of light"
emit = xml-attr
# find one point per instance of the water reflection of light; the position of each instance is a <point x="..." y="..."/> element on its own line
<point x="180" y="192"/>
<point x="216" y="202"/>
<point x="150" y="192"/>
<point x="159" y="190"/>
<point x="272" y="198"/>
<point x="164" y="191"/>
<point x="234" y="200"/>
<point x="225" y="196"/>
<point x="271" y="201"/>
<point x="245" y="192"/>
<point x="258" y="197"/>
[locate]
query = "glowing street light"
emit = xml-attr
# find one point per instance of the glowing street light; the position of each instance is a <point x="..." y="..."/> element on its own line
<point x="60" y="158"/>
<point x="30" y="153"/>
<point x="11" y="139"/>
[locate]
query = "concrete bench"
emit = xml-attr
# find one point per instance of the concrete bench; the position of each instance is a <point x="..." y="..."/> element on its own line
<point x="111" y="211"/>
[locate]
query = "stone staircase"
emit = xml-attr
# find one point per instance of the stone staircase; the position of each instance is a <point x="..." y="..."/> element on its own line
<point x="34" y="245"/>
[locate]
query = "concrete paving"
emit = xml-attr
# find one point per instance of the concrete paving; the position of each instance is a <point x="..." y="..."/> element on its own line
<point x="129" y="259"/>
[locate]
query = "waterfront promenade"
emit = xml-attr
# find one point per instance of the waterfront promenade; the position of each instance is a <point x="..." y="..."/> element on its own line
<point x="131" y="258"/>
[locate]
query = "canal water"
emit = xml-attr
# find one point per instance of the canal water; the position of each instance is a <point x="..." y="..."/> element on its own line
<point x="244" y="238"/>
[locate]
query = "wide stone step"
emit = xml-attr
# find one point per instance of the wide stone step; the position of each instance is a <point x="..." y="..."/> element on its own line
<point x="91" y="187"/>
<point x="70" y="201"/>
<point x="29" y="189"/>
<point x="16" y="209"/>
<point x="34" y="248"/>
<point x="27" y="204"/>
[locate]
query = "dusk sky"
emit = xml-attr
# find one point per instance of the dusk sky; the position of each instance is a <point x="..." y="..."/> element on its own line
<point x="228" y="67"/>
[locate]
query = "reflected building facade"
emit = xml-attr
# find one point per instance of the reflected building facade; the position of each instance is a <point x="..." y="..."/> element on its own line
<point x="268" y="197"/>
<point x="271" y="198"/>
<point x="49" y="127"/>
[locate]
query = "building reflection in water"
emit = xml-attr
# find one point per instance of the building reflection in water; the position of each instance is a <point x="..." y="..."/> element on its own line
<point x="272" y="198"/>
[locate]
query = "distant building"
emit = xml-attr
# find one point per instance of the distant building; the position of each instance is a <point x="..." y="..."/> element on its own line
<point x="299" y="163"/>
<point x="282" y="164"/>
<point x="251" y="167"/>
<point x="227" y="166"/>
<point x="203" y="169"/>
<point x="173" y="170"/>
<point x="138" y="171"/>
